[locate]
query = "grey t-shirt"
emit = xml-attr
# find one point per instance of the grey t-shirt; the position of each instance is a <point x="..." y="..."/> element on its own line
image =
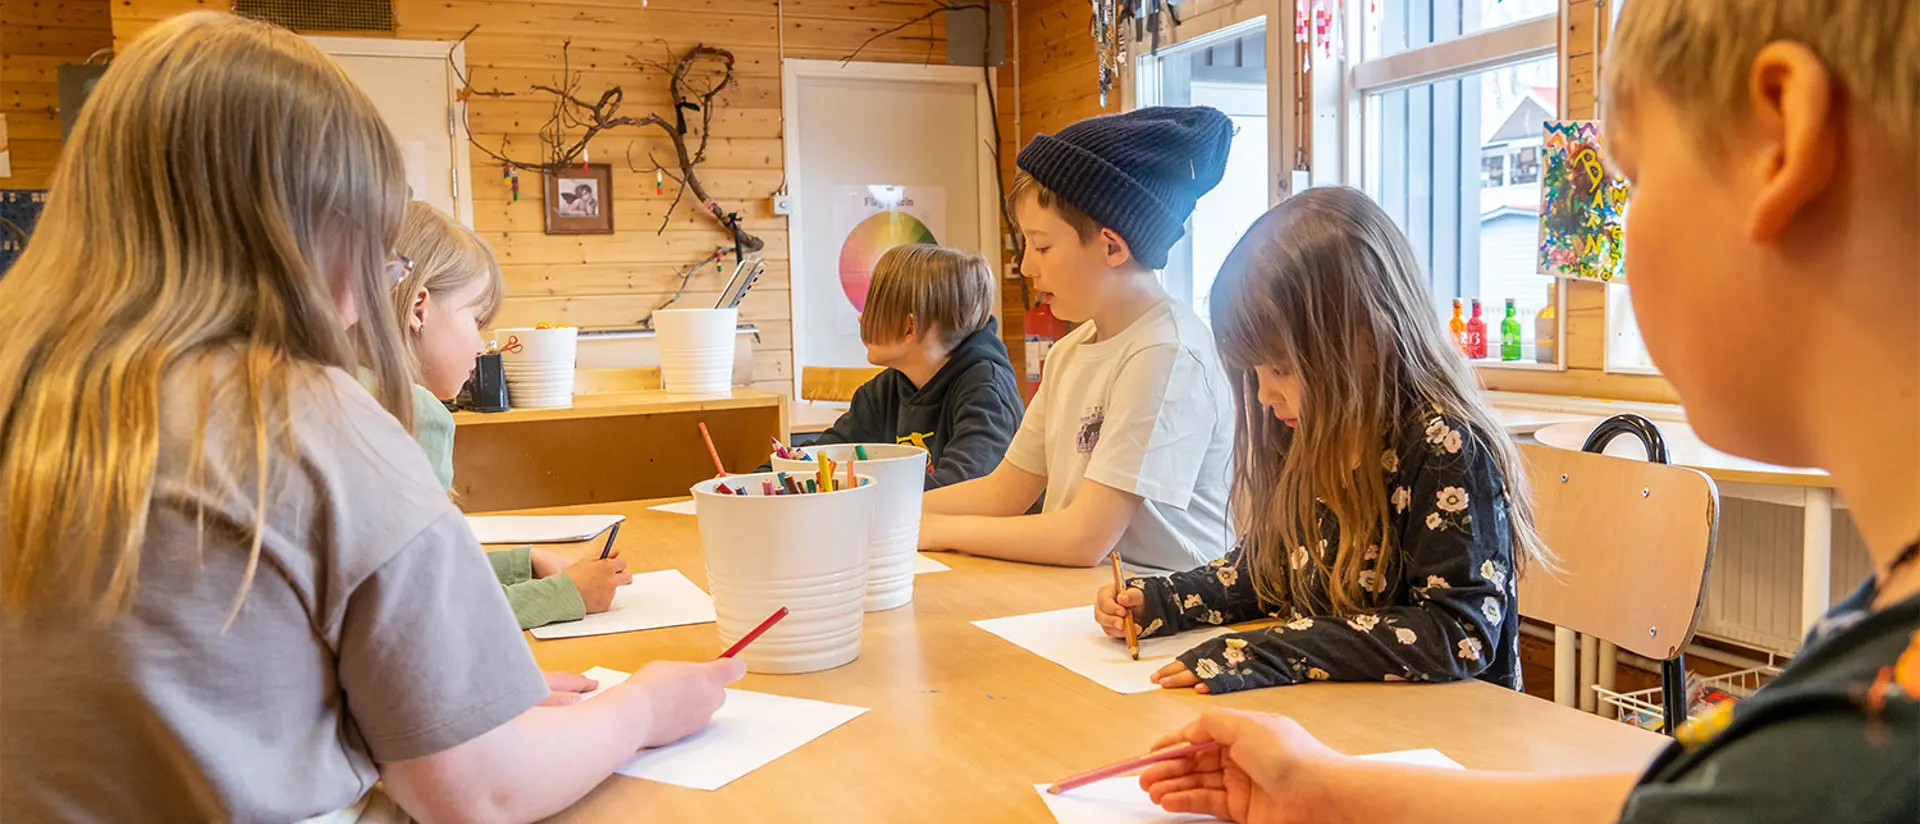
<point x="373" y="630"/>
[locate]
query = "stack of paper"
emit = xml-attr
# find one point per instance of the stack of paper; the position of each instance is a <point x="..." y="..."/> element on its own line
<point x="1071" y="638"/>
<point x="653" y="600"/>
<point x="749" y="732"/>
<point x="539" y="529"/>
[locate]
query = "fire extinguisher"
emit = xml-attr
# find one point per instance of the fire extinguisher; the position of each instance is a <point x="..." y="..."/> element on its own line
<point x="1043" y="329"/>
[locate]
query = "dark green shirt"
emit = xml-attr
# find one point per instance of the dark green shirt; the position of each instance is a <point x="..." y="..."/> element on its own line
<point x="1832" y="739"/>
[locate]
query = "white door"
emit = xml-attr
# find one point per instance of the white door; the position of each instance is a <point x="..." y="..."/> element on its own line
<point x="413" y="86"/>
<point x="878" y="155"/>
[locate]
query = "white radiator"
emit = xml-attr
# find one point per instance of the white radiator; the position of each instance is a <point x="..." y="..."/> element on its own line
<point x="1753" y="593"/>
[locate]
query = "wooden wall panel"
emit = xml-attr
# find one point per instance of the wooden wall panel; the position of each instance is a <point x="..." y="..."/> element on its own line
<point x="615" y="280"/>
<point x="36" y="37"/>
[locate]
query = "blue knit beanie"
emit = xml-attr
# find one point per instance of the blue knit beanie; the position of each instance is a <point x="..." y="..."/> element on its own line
<point x="1137" y="173"/>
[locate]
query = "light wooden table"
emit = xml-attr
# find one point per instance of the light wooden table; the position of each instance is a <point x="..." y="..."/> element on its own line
<point x="1741" y="478"/>
<point x="962" y="723"/>
<point x="613" y="446"/>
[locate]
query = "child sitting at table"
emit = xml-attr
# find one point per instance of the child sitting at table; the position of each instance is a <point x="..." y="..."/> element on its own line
<point x="450" y="289"/>
<point x="230" y="588"/>
<point x="1381" y="507"/>
<point x="949" y="386"/>
<point x="1129" y="433"/>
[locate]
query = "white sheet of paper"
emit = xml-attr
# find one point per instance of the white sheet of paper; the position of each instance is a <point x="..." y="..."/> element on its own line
<point x="654" y="600"/>
<point x="749" y="732"/>
<point x="923" y="565"/>
<point x="413" y="157"/>
<point x="682" y="508"/>
<point x="539" y="529"/>
<point x="1424" y="758"/>
<point x="1120" y="800"/>
<point x="1070" y="637"/>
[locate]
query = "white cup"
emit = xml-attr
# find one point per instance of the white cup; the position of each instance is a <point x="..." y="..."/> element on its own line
<point x="807" y="553"/>
<point x="527" y="345"/>
<point x="696" y="349"/>
<point x="900" y="472"/>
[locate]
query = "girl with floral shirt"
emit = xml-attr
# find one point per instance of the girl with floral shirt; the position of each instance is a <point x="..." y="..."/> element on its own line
<point x="1381" y="507"/>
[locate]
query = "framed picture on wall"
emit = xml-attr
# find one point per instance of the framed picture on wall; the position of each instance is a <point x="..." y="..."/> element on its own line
<point x="579" y="200"/>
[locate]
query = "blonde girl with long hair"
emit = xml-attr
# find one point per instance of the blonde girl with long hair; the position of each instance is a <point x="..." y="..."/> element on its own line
<point x="452" y="288"/>
<point x="230" y="588"/>
<point x="1382" y="510"/>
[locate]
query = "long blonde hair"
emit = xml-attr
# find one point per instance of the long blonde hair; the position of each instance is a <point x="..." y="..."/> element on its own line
<point x="224" y="177"/>
<point x="447" y="257"/>
<point x="1324" y="283"/>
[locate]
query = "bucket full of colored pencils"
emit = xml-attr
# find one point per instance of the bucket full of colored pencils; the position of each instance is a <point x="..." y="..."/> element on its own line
<point x="769" y="543"/>
<point x="901" y="472"/>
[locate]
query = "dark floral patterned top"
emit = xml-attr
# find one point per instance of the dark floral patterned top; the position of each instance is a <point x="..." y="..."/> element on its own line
<point x="1448" y="615"/>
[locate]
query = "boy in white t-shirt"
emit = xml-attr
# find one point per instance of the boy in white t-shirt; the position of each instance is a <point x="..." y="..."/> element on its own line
<point x="1132" y="429"/>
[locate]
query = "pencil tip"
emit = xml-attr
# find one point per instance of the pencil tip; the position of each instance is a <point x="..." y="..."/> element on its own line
<point x="1053" y="789"/>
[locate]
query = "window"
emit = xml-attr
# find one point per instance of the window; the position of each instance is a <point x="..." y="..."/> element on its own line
<point x="1228" y="71"/>
<point x="1493" y="171"/>
<point x="1452" y="96"/>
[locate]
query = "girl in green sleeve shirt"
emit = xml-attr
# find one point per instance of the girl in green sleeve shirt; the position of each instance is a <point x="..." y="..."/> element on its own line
<point x="451" y="288"/>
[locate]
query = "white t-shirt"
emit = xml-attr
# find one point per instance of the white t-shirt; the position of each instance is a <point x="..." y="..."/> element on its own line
<point x="1145" y="410"/>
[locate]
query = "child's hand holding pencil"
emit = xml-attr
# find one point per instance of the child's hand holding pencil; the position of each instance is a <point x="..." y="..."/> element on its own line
<point x="1113" y="611"/>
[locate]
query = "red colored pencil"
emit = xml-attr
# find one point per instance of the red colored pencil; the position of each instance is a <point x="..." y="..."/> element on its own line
<point x="711" y="452"/>
<point x="757" y="632"/>
<point x="1129" y="765"/>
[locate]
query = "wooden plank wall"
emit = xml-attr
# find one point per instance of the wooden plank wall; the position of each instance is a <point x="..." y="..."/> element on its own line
<point x="615" y="280"/>
<point x="36" y="37"/>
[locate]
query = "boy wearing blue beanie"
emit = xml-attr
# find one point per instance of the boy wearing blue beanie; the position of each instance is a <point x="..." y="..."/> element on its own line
<point x="1131" y="431"/>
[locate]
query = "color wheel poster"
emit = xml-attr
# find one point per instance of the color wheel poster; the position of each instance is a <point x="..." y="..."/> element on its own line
<point x="867" y="221"/>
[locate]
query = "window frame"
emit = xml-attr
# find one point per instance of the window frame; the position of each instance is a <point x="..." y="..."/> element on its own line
<point x="1514" y="43"/>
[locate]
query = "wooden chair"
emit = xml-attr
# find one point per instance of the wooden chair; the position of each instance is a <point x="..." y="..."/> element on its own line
<point x="833" y="383"/>
<point x="1633" y="542"/>
<point x="623" y="379"/>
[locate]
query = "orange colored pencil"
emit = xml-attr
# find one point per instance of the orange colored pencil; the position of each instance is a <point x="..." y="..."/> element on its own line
<point x="1119" y="586"/>
<point x="1129" y="765"/>
<point x="711" y="452"/>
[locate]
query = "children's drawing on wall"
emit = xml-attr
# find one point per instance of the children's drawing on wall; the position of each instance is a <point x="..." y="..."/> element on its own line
<point x="1583" y="205"/>
<point x="869" y="220"/>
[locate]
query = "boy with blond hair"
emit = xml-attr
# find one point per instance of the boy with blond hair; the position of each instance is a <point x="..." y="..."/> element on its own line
<point x="949" y="386"/>
<point x="1131" y="431"/>
<point x="1774" y="152"/>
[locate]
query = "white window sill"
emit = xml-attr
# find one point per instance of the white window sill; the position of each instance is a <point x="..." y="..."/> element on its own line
<point x="1518" y="366"/>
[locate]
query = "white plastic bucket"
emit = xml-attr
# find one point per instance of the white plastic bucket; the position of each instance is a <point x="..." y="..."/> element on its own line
<point x="807" y="553"/>
<point x="900" y="471"/>
<point x="696" y="349"/>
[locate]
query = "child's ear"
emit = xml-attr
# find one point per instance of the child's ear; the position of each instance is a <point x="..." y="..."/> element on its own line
<point x="1114" y="247"/>
<point x="417" y="314"/>
<point x="1798" y="131"/>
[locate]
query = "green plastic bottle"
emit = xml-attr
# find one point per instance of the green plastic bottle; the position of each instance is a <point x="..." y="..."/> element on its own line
<point x="1510" y="335"/>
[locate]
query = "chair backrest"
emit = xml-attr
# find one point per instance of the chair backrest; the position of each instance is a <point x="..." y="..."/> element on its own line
<point x="1633" y="543"/>
<point x="834" y="383"/>
<point x="619" y="379"/>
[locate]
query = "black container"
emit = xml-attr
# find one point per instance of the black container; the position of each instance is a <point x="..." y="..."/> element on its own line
<point x="489" y="384"/>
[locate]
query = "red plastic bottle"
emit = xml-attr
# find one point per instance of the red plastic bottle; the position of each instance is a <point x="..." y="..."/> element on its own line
<point x="1043" y="330"/>
<point x="1476" y="334"/>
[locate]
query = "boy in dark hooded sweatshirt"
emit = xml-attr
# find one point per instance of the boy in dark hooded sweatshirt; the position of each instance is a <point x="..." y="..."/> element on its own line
<point x="949" y="387"/>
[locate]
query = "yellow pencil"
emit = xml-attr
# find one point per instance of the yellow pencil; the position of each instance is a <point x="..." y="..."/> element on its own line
<point x="826" y="473"/>
<point x="1119" y="586"/>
